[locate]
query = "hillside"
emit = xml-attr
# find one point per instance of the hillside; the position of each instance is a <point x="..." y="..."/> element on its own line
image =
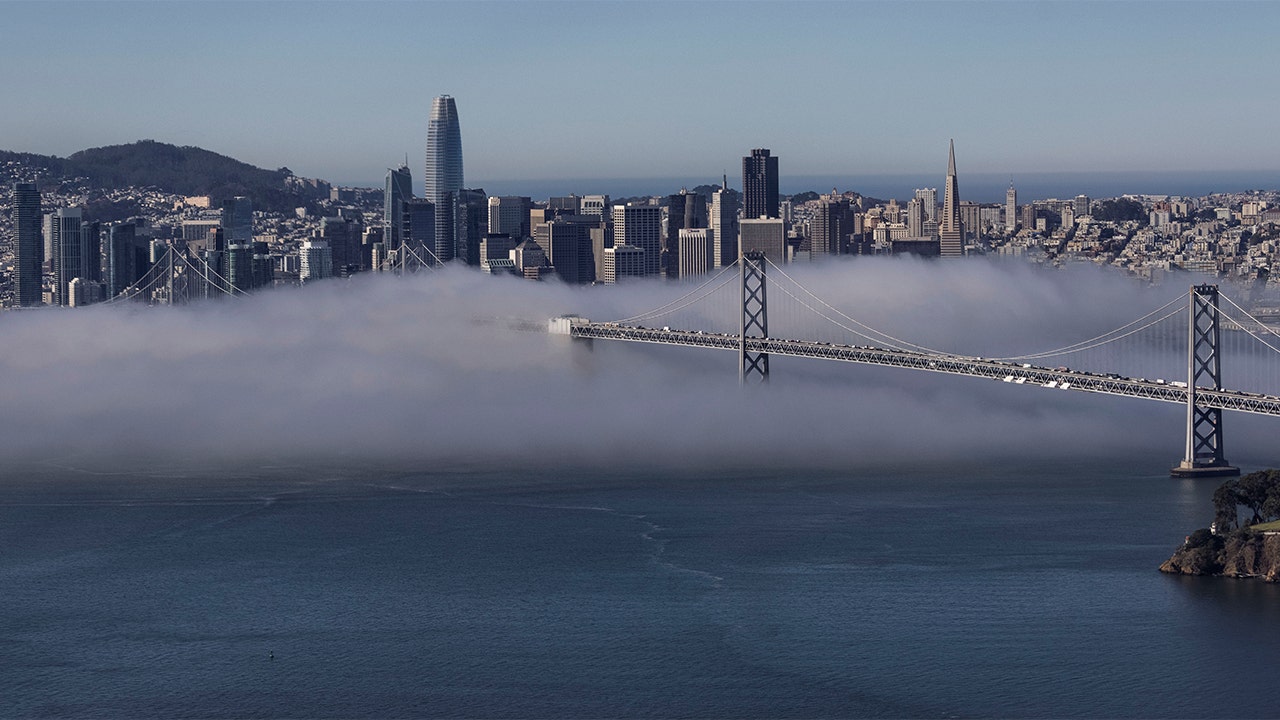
<point x="183" y="170"/>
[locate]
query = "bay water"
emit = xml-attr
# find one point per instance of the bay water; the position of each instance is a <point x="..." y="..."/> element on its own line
<point x="1010" y="589"/>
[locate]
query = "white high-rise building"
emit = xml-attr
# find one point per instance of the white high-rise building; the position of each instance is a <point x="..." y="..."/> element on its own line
<point x="915" y="216"/>
<point x="695" y="252"/>
<point x="928" y="198"/>
<point x="594" y="205"/>
<point x="1010" y="209"/>
<point x="623" y="261"/>
<point x="640" y="226"/>
<point x="724" y="227"/>
<point x="315" y="261"/>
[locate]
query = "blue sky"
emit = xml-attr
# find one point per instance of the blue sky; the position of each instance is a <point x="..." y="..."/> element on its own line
<point x="651" y="89"/>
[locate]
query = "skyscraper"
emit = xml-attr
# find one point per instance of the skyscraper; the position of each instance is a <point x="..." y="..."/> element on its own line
<point x="126" y="257"/>
<point x="640" y="226"/>
<point x="685" y="210"/>
<point x="1081" y="205"/>
<point x="759" y="185"/>
<point x="766" y="235"/>
<point x="928" y="198"/>
<point x="443" y="177"/>
<point x="831" y="225"/>
<point x="28" y="250"/>
<point x="724" y="226"/>
<point x="509" y="215"/>
<point x="1010" y="209"/>
<point x="64" y="227"/>
<point x="951" y="230"/>
<point x="237" y="220"/>
<point x="696" y="248"/>
<point x="472" y="210"/>
<point x="915" y="218"/>
<point x="418" y="235"/>
<point x="399" y="190"/>
<point x="567" y="243"/>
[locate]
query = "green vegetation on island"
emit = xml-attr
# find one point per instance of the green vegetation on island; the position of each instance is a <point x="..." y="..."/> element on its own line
<point x="1228" y="546"/>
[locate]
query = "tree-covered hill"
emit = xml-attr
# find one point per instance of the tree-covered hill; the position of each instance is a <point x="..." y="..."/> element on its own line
<point x="183" y="170"/>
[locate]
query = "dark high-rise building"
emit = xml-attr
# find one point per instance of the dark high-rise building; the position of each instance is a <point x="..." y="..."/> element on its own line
<point x="472" y="211"/>
<point x="28" y="247"/>
<point x="567" y="242"/>
<point x="237" y="221"/>
<point x="831" y="226"/>
<point x="759" y="185"/>
<point x="343" y="235"/>
<point x="950" y="229"/>
<point x="127" y="258"/>
<point x="685" y="211"/>
<point x="509" y="215"/>
<point x="399" y="190"/>
<point x="65" y="236"/>
<point x="91" y="252"/>
<point x="443" y="177"/>
<point x="419" y="234"/>
<point x="239" y="265"/>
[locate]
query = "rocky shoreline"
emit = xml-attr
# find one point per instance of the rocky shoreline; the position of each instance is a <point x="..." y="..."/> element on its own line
<point x="1241" y="554"/>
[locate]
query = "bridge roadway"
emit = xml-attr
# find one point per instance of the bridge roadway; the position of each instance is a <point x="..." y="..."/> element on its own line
<point x="1016" y="373"/>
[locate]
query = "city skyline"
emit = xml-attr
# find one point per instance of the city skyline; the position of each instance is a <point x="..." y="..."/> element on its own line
<point x="1103" y="87"/>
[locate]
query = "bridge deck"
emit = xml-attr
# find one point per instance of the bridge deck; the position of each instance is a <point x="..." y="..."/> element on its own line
<point x="954" y="365"/>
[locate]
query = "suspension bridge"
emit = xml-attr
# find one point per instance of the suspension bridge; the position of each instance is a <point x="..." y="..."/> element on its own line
<point x="180" y="276"/>
<point x="1184" y="341"/>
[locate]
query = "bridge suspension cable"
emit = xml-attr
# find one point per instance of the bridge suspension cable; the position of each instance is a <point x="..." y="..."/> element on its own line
<point x="1107" y="337"/>
<point x="688" y="298"/>
<point x="883" y="336"/>
<point x="142" y="283"/>
<point x="1251" y="333"/>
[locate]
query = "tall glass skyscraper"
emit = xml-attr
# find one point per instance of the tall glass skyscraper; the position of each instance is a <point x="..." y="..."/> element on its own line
<point x="237" y="220"/>
<point x="759" y="185"/>
<point x="399" y="191"/>
<point x="444" y="170"/>
<point x="28" y="250"/>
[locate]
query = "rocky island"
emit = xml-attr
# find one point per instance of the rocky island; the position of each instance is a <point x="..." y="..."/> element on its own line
<point x="1229" y="547"/>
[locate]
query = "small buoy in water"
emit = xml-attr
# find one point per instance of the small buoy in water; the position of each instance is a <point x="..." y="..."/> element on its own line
<point x="271" y="655"/>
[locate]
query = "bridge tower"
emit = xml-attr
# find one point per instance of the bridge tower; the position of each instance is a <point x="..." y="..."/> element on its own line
<point x="1204" y="457"/>
<point x="755" y="318"/>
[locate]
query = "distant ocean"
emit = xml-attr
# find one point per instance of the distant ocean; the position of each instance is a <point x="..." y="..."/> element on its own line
<point x="978" y="187"/>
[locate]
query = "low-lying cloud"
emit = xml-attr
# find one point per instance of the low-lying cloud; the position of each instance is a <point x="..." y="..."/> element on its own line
<point x="425" y="371"/>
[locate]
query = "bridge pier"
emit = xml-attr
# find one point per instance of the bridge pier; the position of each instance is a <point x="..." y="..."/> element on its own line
<point x="1204" y="455"/>
<point x="754" y="321"/>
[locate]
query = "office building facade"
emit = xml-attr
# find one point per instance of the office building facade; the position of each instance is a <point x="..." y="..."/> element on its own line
<point x="398" y="191"/>
<point x="28" y="246"/>
<point x="723" y="223"/>
<point x="640" y="226"/>
<point x="760" y="184"/>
